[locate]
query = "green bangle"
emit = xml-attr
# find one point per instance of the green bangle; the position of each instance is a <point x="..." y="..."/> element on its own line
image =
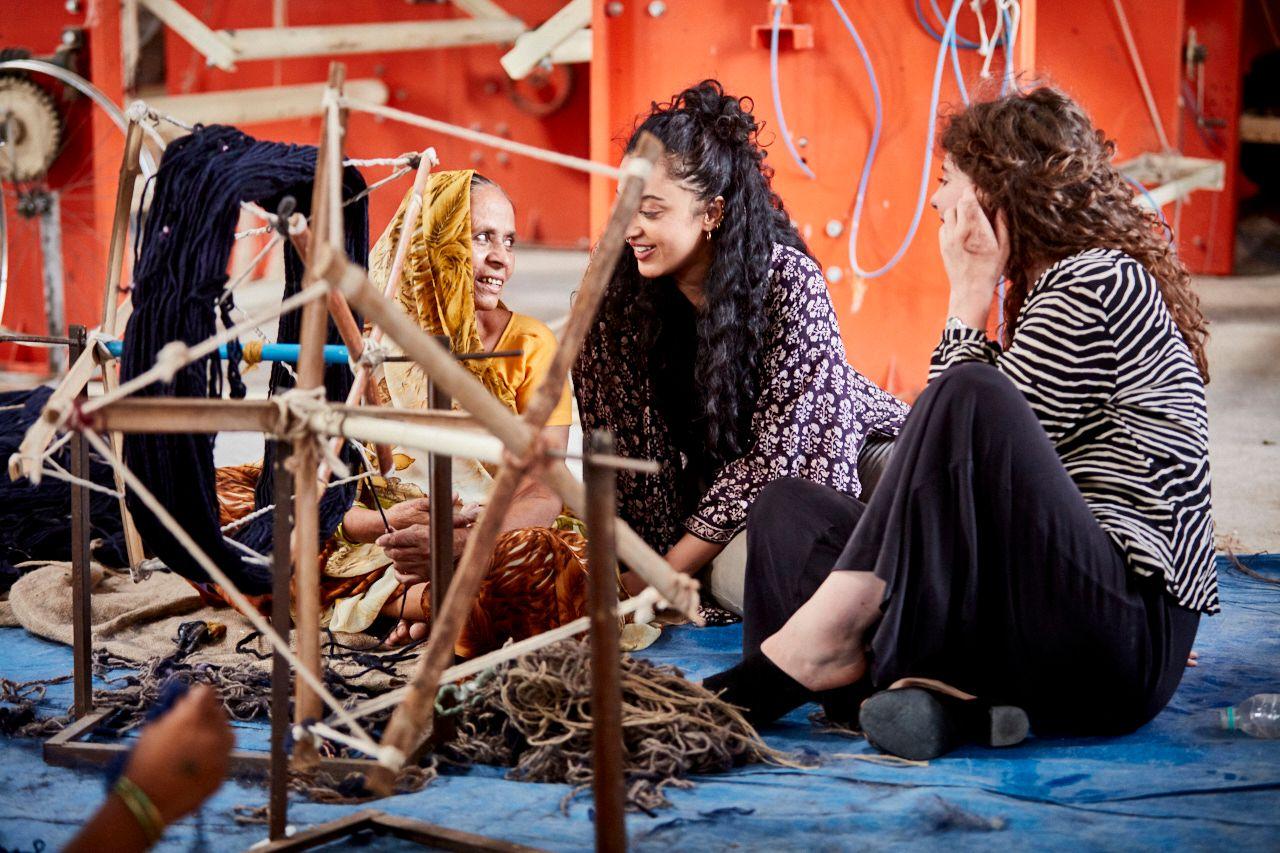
<point x="139" y="804"/>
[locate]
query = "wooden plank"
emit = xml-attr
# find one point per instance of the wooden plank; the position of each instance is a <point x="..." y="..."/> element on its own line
<point x="1265" y="129"/>
<point x="281" y="621"/>
<point x="341" y="39"/>
<point x="258" y="105"/>
<point x="306" y="545"/>
<point x="81" y="584"/>
<point x="160" y="415"/>
<point x="111" y="325"/>
<point x="442" y="838"/>
<point x="343" y="827"/>
<point x="483" y="9"/>
<point x="533" y="46"/>
<point x="214" y="46"/>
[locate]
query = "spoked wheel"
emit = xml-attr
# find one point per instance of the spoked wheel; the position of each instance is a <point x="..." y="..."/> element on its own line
<point x="61" y="140"/>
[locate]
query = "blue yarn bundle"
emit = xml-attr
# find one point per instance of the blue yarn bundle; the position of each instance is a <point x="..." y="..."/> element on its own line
<point x="35" y="520"/>
<point x="179" y="274"/>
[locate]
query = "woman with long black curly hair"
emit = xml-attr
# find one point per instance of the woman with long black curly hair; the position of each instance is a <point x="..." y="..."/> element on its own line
<point x="717" y="351"/>
<point x="1040" y="550"/>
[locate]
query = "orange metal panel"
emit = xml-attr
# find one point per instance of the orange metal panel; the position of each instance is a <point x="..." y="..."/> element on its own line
<point x="1207" y="221"/>
<point x="890" y="324"/>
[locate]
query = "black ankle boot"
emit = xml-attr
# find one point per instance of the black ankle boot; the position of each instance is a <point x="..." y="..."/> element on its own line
<point x="841" y="705"/>
<point x="760" y="688"/>
<point x="920" y="724"/>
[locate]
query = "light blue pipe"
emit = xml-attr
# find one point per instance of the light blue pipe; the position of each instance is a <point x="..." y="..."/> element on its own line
<point x="860" y="199"/>
<point x="333" y="353"/>
<point x="777" y="95"/>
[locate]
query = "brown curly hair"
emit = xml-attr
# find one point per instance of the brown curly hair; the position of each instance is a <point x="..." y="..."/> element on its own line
<point x="1036" y="156"/>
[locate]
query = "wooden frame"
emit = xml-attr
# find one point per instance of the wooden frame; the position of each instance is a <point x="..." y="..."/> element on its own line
<point x="223" y="48"/>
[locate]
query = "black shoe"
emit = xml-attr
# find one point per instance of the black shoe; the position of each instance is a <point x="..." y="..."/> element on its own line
<point x="840" y="705"/>
<point x="920" y="724"/>
<point x="760" y="688"/>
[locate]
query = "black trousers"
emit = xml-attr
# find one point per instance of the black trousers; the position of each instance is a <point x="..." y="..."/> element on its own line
<point x="998" y="578"/>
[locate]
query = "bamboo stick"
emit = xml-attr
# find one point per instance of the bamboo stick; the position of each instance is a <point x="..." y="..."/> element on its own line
<point x="129" y="171"/>
<point x="174" y="414"/>
<point x="306" y="546"/>
<point x="27" y="461"/>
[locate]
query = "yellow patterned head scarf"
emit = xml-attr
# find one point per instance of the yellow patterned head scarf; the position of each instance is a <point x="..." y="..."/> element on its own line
<point x="436" y="286"/>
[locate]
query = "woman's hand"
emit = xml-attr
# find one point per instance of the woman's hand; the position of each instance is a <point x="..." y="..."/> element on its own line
<point x="975" y="255"/>
<point x="182" y="757"/>
<point x="410" y="549"/>
<point x="408" y="513"/>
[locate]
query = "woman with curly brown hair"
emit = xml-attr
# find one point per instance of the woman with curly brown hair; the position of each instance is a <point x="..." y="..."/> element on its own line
<point x="1040" y="548"/>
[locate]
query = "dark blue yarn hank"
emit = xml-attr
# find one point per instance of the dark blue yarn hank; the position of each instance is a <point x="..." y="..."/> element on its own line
<point x="35" y="520"/>
<point x="179" y="274"/>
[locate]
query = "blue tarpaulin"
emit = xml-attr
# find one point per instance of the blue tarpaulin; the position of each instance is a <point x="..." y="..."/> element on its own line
<point x="1177" y="783"/>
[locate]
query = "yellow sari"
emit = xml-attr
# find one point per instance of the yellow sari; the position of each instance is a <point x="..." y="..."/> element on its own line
<point x="537" y="576"/>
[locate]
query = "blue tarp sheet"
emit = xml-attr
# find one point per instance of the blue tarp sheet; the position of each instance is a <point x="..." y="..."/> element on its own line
<point x="1177" y="783"/>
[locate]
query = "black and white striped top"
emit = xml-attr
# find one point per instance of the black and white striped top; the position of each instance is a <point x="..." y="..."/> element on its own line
<point x="1106" y="371"/>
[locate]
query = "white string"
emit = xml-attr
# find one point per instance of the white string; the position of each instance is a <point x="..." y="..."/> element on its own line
<point x="253" y="264"/>
<point x="645" y="600"/>
<point x="254" y="556"/>
<point x="229" y="589"/>
<point x="1141" y="71"/>
<point x="579" y="163"/>
<point x="388" y="756"/>
<point x="402" y="160"/>
<point x="140" y="110"/>
<point x="57" y="472"/>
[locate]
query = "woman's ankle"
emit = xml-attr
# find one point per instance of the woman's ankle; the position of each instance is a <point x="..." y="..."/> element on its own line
<point x="816" y="666"/>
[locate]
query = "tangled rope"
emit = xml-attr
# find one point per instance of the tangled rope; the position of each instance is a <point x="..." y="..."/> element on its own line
<point x="534" y="716"/>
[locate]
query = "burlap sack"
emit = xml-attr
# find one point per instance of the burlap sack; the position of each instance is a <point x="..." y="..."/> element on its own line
<point x="140" y="621"/>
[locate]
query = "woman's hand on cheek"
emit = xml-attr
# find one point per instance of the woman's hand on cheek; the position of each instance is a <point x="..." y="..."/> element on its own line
<point x="975" y="255"/>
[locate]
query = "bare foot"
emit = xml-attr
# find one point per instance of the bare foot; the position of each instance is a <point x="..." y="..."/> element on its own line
<point x="822" y="644"/>
<point x="406" y="632"/>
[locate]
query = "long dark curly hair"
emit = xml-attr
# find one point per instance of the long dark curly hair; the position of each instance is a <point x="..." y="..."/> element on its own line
<point x="1036" y="156"/>
<point x="712" y="146"/>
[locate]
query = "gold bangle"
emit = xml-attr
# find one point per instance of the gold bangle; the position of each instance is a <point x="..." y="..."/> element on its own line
<point x="140" y="806"/>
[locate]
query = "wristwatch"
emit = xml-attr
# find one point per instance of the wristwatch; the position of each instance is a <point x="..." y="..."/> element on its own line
<point x="955" y="324"/>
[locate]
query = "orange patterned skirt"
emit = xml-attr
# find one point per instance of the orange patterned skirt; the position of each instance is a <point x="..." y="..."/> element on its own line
<point x="537" y="577"/>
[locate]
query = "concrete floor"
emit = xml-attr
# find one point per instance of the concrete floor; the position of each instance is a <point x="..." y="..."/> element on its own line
<point x="1244" y="409"/>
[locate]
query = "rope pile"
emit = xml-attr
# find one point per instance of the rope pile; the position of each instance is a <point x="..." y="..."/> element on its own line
<point x="534" y="715"/>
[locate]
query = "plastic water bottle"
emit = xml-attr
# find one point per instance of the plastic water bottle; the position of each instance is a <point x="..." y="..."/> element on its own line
<point x="1259" y="716"/>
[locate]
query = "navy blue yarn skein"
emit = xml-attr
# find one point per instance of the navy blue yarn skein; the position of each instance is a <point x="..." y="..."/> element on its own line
<point x="34" y="520"/>
<point x="179" y="273"/>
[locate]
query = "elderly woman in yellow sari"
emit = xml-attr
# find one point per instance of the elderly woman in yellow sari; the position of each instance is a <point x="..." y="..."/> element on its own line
<point x="460" y="257"/>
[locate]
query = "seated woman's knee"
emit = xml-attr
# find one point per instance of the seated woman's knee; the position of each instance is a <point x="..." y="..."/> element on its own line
<point x="782" y="499"/>
<point x="983" y="383"/>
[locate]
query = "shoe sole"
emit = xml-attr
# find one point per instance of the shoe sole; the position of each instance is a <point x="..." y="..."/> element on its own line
<point x="917" y="724"/>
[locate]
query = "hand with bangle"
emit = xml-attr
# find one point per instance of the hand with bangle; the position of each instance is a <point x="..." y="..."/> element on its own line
<point x="179" y="761"/>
